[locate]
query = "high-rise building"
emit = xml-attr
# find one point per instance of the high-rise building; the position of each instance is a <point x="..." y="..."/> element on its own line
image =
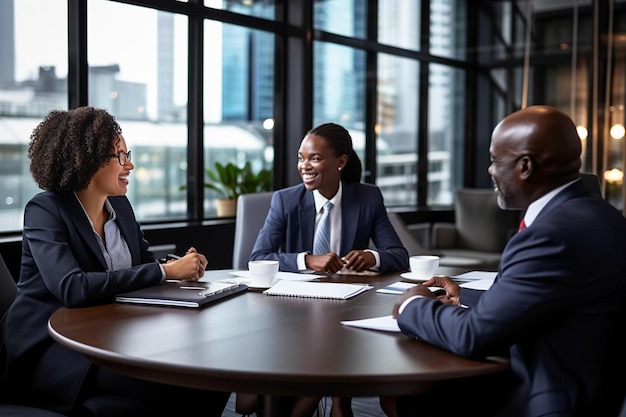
<point x="7" y="42"/>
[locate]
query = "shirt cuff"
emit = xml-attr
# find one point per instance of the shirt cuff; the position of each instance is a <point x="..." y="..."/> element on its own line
<point x="301" y="262"/>
<point x="162" y="272"/>
<point x="376" y="267"/>
<point x="407" y="301"/>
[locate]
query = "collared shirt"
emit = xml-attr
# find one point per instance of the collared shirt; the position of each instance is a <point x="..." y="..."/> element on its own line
<point x="335" y="226"/>
<point x="335" y="216"/>
<point x="529" y="217"/>
<point x="536" y="206"/>
<point x="116" y="253"/>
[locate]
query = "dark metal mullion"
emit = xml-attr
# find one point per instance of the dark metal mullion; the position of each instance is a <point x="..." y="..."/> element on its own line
<point x="422" y="128"/>
<point x="78" y="69"/>
<point x="195" y="119"/>
<point x="371" y="82"/>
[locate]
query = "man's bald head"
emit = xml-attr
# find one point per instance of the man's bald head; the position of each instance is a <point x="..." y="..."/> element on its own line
<point x="546" y="134"/>
<point x="544" y="144"/>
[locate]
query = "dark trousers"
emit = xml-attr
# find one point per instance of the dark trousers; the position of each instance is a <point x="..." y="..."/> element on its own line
<point x="107" y="393"/>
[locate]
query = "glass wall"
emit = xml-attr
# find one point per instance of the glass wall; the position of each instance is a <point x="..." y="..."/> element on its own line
<point x="144" y="85"/>
<point x="238" y="99"/>
<point x="33" y="81"/>
<point x="237" y="81"/>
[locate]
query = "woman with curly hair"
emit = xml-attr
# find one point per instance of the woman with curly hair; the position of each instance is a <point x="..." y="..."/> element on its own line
<point x="81" y="247"/>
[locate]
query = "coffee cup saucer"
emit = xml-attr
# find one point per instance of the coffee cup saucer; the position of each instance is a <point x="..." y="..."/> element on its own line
<point x="413" y="277"/>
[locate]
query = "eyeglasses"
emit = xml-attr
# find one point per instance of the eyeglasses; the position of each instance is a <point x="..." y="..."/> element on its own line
<point x="122" y="157"/>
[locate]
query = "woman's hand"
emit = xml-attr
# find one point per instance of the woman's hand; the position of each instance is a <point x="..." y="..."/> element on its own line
<point x="359" y="260"/>
<point x="190" y="267"/>
<point x="327" y="263"/>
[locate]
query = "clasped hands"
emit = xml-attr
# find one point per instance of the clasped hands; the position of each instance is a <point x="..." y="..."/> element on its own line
<point x="452" y="296"/>
<point x="190" y="267"/>
<point x="329" y="263"/>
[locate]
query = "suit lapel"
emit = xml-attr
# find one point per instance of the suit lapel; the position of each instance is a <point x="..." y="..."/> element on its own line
<point x="350" y="213"/>
<point x="574" y="190"/>
<point x="306" y="218"/>
<point x="82" y="225"/>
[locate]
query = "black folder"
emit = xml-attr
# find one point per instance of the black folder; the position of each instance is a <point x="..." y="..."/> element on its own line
<point x="182" y="294"/>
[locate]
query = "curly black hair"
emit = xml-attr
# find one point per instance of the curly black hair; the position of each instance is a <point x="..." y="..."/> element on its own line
<point x="68" y="147"/>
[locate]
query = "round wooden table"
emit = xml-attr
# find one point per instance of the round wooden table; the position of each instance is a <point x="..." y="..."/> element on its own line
<point x="264" y="344"/>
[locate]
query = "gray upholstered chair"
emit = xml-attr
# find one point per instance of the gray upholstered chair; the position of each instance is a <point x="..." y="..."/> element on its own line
<point x="480" y="230"/>
<point x="251" y="212"/>
<point x="414" y="247"/>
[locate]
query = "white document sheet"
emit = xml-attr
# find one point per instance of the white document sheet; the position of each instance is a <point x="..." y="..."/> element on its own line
<point x="289" y="276"/>
<point x="479" y="284"/>
<point x="385" y="323"/>
<point x="475" y="275"/>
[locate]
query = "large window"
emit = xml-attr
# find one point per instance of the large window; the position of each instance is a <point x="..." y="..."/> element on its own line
<point x="396" y="126"/>
<point x="194" y="83"/>
<point x="238" y="99"/>
<point x="143" y="83"/>
<point x="446" y="135"/>
<point x="33" y="81"/>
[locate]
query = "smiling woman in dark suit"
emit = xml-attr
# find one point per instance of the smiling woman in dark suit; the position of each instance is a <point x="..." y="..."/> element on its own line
<point x="330" y="171"/>
<point x="81" y="247"/>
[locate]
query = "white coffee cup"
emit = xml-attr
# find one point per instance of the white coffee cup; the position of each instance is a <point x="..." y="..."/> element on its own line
<point x="263" y="272"/>
<point x="423" y="267"/>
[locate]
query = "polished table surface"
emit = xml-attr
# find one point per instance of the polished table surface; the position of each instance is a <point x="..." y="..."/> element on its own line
<point x="264" y="344"/>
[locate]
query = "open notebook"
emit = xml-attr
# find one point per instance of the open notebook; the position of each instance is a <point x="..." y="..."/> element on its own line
<point x="307" y="289"/>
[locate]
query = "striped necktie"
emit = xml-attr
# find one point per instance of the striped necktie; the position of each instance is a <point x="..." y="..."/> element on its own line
<point x="321" y="243"/>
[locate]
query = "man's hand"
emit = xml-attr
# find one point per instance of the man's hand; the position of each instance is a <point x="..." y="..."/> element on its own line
<point x="452" y="289"/>
<point x="451" y="297"/>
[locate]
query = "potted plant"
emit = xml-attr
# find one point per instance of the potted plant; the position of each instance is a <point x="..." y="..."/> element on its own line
<point x="231" y="181"/>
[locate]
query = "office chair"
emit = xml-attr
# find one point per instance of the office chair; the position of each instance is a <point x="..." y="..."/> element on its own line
<point x="97" y="406"/>
<point x="414" y="247"/>
<point x="480" y="230"/>
<point x="8" y="290"/>
<point x="251" y="212"/>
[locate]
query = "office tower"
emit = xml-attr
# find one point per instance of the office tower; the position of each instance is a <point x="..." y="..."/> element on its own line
<point x="7" y="42"/>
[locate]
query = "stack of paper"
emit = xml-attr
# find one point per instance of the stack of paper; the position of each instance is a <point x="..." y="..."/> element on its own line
<point x="334" y="290"/>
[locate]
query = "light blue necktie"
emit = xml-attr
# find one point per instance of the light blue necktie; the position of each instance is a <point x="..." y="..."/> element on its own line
<point x="321" y="243"/>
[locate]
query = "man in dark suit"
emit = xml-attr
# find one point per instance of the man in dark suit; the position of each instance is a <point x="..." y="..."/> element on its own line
<point x="557" y="304"/>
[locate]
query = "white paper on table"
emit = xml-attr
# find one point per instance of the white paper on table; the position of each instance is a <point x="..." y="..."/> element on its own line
<point x="385" y="323"/>
<point x="479" y="284"/>
<point x="475" y="275"/>
<point x="289" y="276"/>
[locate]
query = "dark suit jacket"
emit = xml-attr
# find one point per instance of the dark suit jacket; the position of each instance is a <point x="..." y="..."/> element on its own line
<point x="62" y="265"/>
<point x="558" y="302"/>
<point x="288" y="228"/>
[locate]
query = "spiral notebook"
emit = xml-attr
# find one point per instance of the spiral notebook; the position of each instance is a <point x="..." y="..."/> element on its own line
<point x="307" y="289"/>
